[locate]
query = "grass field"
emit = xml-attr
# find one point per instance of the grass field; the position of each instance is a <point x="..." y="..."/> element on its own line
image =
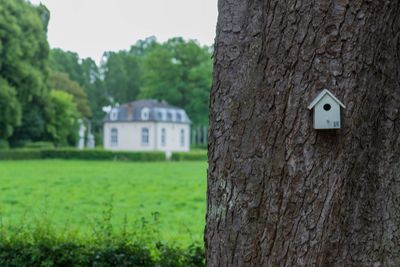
<point x="75" y="195"/>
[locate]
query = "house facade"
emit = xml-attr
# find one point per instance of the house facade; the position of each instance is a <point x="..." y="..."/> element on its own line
<point x="147" y="125"/>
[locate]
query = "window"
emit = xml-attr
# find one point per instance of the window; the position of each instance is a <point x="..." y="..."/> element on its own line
<point x="182" y="137"/>
<point x="114" y="136"/>
<point x="145" y="114"/>
<point x="178" y="117"/>
<point x="169" y="116"/>
<point x="114" y="114"/>
<point x="145" y="136"/>
<point x="163" y="137"/>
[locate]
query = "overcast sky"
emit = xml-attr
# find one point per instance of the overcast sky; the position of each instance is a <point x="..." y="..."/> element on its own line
<point x="90" y="27"/>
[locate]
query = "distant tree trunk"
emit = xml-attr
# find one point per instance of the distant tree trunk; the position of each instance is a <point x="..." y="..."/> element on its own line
<point x="279" y="192"/>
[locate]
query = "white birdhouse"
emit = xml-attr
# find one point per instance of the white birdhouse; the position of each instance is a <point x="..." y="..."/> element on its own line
<point x="326" y="111"/>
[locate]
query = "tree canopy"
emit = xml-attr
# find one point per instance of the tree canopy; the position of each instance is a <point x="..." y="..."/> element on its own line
<point x="61" y="81"/>
<point x="63" y="123"/>
<point x="23" y="66"/>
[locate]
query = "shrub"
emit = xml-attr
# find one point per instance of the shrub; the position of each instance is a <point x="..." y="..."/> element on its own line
<point x="4" y="144"/>
<point x="70" y="153"/>
<point x="199" y="146"/>
<point x="39" y="145"/>
<point x="19" y="143"/>
<point x="173" y="256"/>
<point x="187" y="156"/>
<point x="98" y="154"/>
<point x="20" y="154"/>
<point x="64" y="253"/>
<point x="40" y="245"/>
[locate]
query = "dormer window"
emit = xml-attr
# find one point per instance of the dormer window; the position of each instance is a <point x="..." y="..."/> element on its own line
<point x="178" y="117"/>
<point x="114" y="114"/>
<point x="169" y="116"/>
<point x="145" y="114"/>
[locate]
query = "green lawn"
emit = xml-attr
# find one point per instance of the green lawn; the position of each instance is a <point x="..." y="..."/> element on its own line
<point x="76" y="194"/>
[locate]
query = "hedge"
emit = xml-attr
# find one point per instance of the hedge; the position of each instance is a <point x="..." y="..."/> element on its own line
<point x="68" y="153"/>
<point x="64" y="253"/>
<point x="38" y="242"/>
<point x="190" y="156"/>
<point x="97" y="154"/>
<point x="39" y="145"/>
<point x="20" y="154"/>
<point x="4" y="144"/>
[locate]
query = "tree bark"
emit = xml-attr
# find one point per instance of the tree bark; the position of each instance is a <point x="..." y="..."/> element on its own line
<point x="279" y="192"/>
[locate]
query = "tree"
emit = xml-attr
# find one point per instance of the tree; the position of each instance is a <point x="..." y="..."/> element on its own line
<point x="88" y="75"/>
<point x="279" y="192"/>
<point x="61" y="81"/>
<point x="62" y="126"/>
<point x="161" y="76"/>
<point x="23" y="64"/>
<point x="179" y="72"/>
<point x="67" y="62"/>
<point x="10" y="112"/>
<point x="199" y="84"/>
<point x="122" y="76"/>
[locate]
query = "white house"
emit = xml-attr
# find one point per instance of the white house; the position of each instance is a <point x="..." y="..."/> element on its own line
<point x="147" y="125"/>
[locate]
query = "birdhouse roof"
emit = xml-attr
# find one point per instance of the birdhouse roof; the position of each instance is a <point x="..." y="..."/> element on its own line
<point x="321" y="95"/>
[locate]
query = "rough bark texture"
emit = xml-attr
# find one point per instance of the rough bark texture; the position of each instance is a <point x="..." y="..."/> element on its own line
<point x="279" y="192"/>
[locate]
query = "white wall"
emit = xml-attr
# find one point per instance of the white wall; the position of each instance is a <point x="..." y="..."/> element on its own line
<point x="130" y="136"/>
<point x="173" y="141"/>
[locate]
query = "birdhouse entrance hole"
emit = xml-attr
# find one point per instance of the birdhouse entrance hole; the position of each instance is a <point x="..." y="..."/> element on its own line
<point x="327" y="107"/>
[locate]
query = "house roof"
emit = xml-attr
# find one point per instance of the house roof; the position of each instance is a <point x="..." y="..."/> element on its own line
<point x="321" y="95"/>
<point x="155" y="111"/>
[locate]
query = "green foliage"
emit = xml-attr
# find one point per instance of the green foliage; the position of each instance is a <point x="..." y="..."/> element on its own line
<point x="27" y="144"/>
<point x="20" y="154"/>
<point x="87" y="74"/>
<point x="173" y="256"/>
<point x="33" y="126"/>
<point x="39" y="145"/>
<point x="67" y="62"/>
<point x="98" y="154"/>
<point x="161" y="76"/>
<point x="4" y="144"/>
<point x="10" y="112"/>
<point x="179" y="72"/>
<point x="23" y="65"/>
<point x="62" y="126"/>
<point x="199" y="155"/>
<point x="122" y="76"/>
<point x="44" y="150"/>
<point x="41" y="245"/>
<point x="60" y="81"/>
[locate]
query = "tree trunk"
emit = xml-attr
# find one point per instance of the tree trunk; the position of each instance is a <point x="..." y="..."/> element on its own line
<point x="279" y="192"/>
